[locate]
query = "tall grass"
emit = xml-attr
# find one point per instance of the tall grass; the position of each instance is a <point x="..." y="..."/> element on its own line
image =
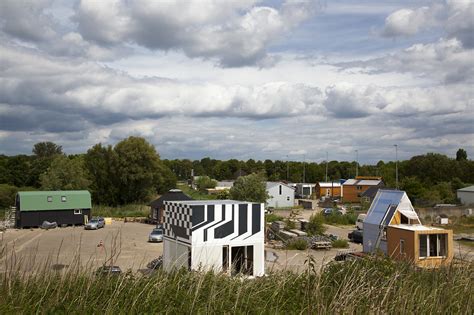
<point x="364" y="286"/>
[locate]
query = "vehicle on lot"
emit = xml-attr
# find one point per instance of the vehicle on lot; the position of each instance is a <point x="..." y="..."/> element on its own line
<point x="356" y="236"/>
<point x="155" y="236"/>
<point x="360" y="221"/>
<point x="329" y="211"/>
<point x="95" y="224"/>
<point x="108" y="270"/>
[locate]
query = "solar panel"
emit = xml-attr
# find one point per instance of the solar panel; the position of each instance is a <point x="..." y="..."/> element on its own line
<point x="389" y="215"/>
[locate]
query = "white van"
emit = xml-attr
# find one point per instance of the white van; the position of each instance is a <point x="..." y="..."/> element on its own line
<point x="360" y="221"/>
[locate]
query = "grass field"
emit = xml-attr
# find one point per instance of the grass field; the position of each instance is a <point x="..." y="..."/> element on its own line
<point x="365" y="286"/>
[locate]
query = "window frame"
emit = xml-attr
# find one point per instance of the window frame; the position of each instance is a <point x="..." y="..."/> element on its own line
<point x="63" y="198"/>
<point x="77" y="211"/>
<point x="49" y="198"/>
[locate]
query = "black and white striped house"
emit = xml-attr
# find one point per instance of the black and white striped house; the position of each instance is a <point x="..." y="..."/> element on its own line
<point x="223" y="235"/>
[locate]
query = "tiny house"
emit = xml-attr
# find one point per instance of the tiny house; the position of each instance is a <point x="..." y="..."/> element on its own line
<point x="422" y="245"/>
<point x="392" y="227"/>
<point x="71" y="207"/>
<point x="220" y="235"/>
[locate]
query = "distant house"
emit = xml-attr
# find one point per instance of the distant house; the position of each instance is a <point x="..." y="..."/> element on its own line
<point x="369" y="195"/>
<point x="71" y="207"/>
<point x="220" y="235"/>
<point x="281" y="195"/>
<point x="352" y="189"/>
<point x="466" y="195"/>
<point x="220" y="186"/>
<point x="328" y="189"/>
<point x="392" y="226"/>
<point x="304" y="190"/>
<point x="157" y="206"/>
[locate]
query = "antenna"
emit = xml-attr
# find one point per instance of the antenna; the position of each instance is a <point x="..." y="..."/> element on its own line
<point x="396" y="165"/>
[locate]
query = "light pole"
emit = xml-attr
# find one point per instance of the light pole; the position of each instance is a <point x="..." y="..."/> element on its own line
<point x="304" y="168"/>
<point x="327" y="166"/>
<point x="287" y="168"/>
<point x="357" y="162"/>
<point x="396" y="165"/>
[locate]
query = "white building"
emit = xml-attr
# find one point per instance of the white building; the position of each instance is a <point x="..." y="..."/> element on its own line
<point x="220" y="235"/>
<point x="466" y="195"/>
<point x="281" y="195"/>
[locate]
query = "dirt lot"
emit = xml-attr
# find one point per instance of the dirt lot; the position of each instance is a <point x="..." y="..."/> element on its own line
<point x="125" y="243"/>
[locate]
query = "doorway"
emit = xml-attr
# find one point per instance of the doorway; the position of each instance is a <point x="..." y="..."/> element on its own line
<point x="242" y="260"/>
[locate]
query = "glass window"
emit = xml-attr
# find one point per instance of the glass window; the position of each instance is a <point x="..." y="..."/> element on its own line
<point x="287" y="198"/>
<point x="77" y="211"/>
<point x="63" y="198"/>
<point x="442" y="244"/>
<point x="423" y="246"/>
<point x="433" y="241"/>
<point x="402" y="246"/>
<point x="50" y="198"/>
<point x="280" y="189"/>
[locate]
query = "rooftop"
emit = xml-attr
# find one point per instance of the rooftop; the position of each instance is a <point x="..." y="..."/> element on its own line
<point x="416" y="227"/>
<point x="329" y="184"/>
<point x="363" y="182"/>
<point x="209" y="202"/>
<point x="469" y="188"/>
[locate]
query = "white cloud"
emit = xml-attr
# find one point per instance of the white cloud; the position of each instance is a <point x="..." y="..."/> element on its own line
<point x="406" y="22"/>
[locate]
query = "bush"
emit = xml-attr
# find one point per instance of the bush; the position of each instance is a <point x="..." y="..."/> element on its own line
<point x="315" y="225"/>
<point x="271" y="217"/>
<point x="341" y="219"/>
<point x="205" y="182"/>
<point x="7" y="195"/>
<point x="340" y="244"/>
<point x="297" y="243"/>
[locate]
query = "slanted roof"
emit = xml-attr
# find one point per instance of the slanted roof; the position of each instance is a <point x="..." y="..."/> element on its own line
<point x="211" y="202"/>
<point x="172" y="195"/>
<point x="467" y="189"/>
<point x="371" y="192"/>
<point x="329" y="184"/>
<point x="54" y="200"/>
<point x="388" y="202"/>
<point x="362" y="182"/>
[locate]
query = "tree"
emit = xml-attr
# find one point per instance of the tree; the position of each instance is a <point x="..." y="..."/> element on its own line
<point x="47" y="149"/>
<point x="138" y="170"/>
<point x="65" y="174"/>
<point x="316" y="225"/>
<point x="249" y="188"/>
<point x="7" y="195"/>
<point x="205" y="182"/>
<point x="101" y="164"/>
<point x="461" y="155"/>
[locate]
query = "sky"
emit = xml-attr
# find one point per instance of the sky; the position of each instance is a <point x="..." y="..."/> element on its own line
<point x="240" y="79"/>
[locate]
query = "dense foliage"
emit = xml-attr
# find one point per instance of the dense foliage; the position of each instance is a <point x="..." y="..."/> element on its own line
<point x="365" y="286"/>
<point x="130" y="172"/>
<point x="249" y="188"/>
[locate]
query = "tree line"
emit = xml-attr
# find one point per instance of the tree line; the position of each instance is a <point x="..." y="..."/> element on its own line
<point x="132" y="172"/>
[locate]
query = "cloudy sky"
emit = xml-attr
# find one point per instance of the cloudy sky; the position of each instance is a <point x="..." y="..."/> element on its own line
<point x="240" y="79"/>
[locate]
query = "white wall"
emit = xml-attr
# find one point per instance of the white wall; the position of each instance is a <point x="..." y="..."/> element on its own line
<point x="278" y="201"/>
<point x="175" y="255"/>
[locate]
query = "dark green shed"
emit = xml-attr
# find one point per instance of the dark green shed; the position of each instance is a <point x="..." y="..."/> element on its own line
<point x="64" y="207"/>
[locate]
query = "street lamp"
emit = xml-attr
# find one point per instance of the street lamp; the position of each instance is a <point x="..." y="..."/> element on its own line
<point x="357" y="162"/>
<point x="327" y="166"/>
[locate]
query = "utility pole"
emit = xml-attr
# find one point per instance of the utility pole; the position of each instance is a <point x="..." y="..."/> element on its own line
<point x="357" y="163"/>
<point x="327" y="166"/>
<point x="396" y="165"/>
<point x="287" y="168"/>
<point x="304" y="168"/>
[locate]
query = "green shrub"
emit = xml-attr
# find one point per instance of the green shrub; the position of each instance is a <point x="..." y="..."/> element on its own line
<point x="271" y="217"/>
<point x="315" y="225"/>
<point x="297" y="243"/>
<point x="132" y="210"/>
<point x="340" y="243"/>
<point x="341" y="219"/>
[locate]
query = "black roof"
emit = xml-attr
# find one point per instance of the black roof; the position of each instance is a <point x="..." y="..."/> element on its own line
<point x="372" y="191"/>
<point x="172" y="195"/>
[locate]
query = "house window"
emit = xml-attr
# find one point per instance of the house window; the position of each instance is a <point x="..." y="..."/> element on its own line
<point x="402" y="246"/>
<point x="77" y="211"/>
<point x="63" y="199"/>
<point x="280" y="189"/>
<point x="432" y="245"/>
<point x="359" y="187"/>
<point x="287" y="198"/>
<point x="50" y="198"/>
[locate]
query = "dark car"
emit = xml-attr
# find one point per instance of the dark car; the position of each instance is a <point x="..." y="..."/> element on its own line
<point x="356" y="236"/>
<point x="329" y="211"/>
<point x="108" y="270"/>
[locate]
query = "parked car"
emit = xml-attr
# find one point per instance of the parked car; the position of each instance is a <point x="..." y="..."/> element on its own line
<point x="155" y="236"/>
<point x="356" y="236"/>
<point x="360" y="221"/>
<point x="108" y="270"/>
<point x="95" y="224"/>
<point x="329" y="211"/>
